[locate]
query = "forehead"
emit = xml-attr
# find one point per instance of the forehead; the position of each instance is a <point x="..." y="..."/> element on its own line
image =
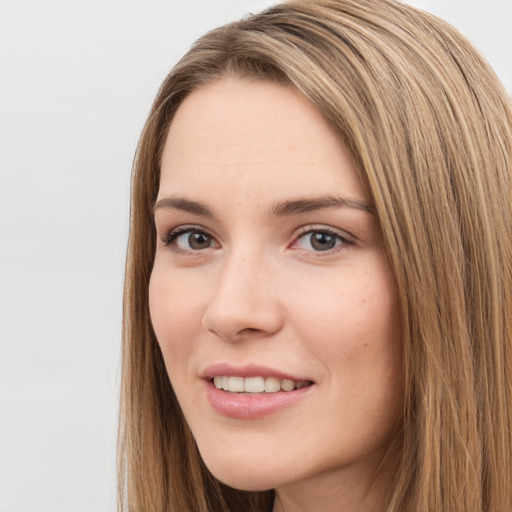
<point x="256" y="134"/>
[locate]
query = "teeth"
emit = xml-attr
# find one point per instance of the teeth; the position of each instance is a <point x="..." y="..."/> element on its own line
<point x="287" y="385"/>
<point x="236" y="384"/>
<point x="272" y="384"/>
<point x="256" y="384"/>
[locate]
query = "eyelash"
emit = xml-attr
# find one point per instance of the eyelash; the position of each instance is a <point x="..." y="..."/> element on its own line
<point x="336" y="235"/>
<point x="170" y="238"/>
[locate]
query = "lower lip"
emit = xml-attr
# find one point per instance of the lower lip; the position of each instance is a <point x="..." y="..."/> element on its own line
<point x="247" y="407"/>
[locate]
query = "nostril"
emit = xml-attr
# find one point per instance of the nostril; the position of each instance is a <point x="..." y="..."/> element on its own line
<point x="249" y="330"/>
<point x="236" y="318"/>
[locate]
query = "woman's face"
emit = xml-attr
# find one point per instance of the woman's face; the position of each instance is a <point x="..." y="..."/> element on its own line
<point x="271" y="281"/>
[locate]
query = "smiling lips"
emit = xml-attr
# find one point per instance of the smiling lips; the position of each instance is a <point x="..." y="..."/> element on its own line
<point x="252" y="392"/>
<point x="235" y="384"/>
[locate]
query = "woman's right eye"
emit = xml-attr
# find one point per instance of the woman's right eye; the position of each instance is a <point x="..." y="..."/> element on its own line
<point x="189" y="239"/>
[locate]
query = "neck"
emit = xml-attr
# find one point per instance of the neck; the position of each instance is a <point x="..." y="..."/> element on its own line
<point x="339" y="491"/>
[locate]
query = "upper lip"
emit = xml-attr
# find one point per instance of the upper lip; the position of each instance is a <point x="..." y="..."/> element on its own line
<point x="251" y="370"/>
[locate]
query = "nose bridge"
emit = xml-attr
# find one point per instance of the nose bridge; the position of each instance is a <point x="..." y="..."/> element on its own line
<point x="245" y="300"/>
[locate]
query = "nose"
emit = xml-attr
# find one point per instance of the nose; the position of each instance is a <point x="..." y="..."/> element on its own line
<point x="245" y="302"/>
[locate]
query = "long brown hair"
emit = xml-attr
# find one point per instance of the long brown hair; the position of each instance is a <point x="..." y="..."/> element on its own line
<point x="429" y="126"/>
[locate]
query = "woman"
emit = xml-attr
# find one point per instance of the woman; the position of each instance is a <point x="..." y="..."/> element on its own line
<point x="319" y="276"/>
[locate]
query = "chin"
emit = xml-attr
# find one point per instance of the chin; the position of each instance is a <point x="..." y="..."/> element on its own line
<point x="244" y="477"/>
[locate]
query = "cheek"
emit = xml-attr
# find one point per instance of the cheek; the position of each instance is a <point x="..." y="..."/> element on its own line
<point x="354" y="328"/>
<point x="174" y="317"/>
<point x="355" y="307"/>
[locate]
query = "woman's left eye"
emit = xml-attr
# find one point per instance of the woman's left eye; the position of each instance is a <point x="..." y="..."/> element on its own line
<point x="320" y="240"/>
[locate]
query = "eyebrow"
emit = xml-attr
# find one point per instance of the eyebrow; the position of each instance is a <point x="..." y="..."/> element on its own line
<point x="180" y="203"/>
<point x="298" y="206"/>
<point x="280" y="209"/>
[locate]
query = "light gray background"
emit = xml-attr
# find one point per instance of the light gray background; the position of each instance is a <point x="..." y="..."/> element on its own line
<point x="77" y="79"/>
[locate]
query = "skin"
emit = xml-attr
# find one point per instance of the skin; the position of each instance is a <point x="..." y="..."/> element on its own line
<point x="257" y="291"/>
